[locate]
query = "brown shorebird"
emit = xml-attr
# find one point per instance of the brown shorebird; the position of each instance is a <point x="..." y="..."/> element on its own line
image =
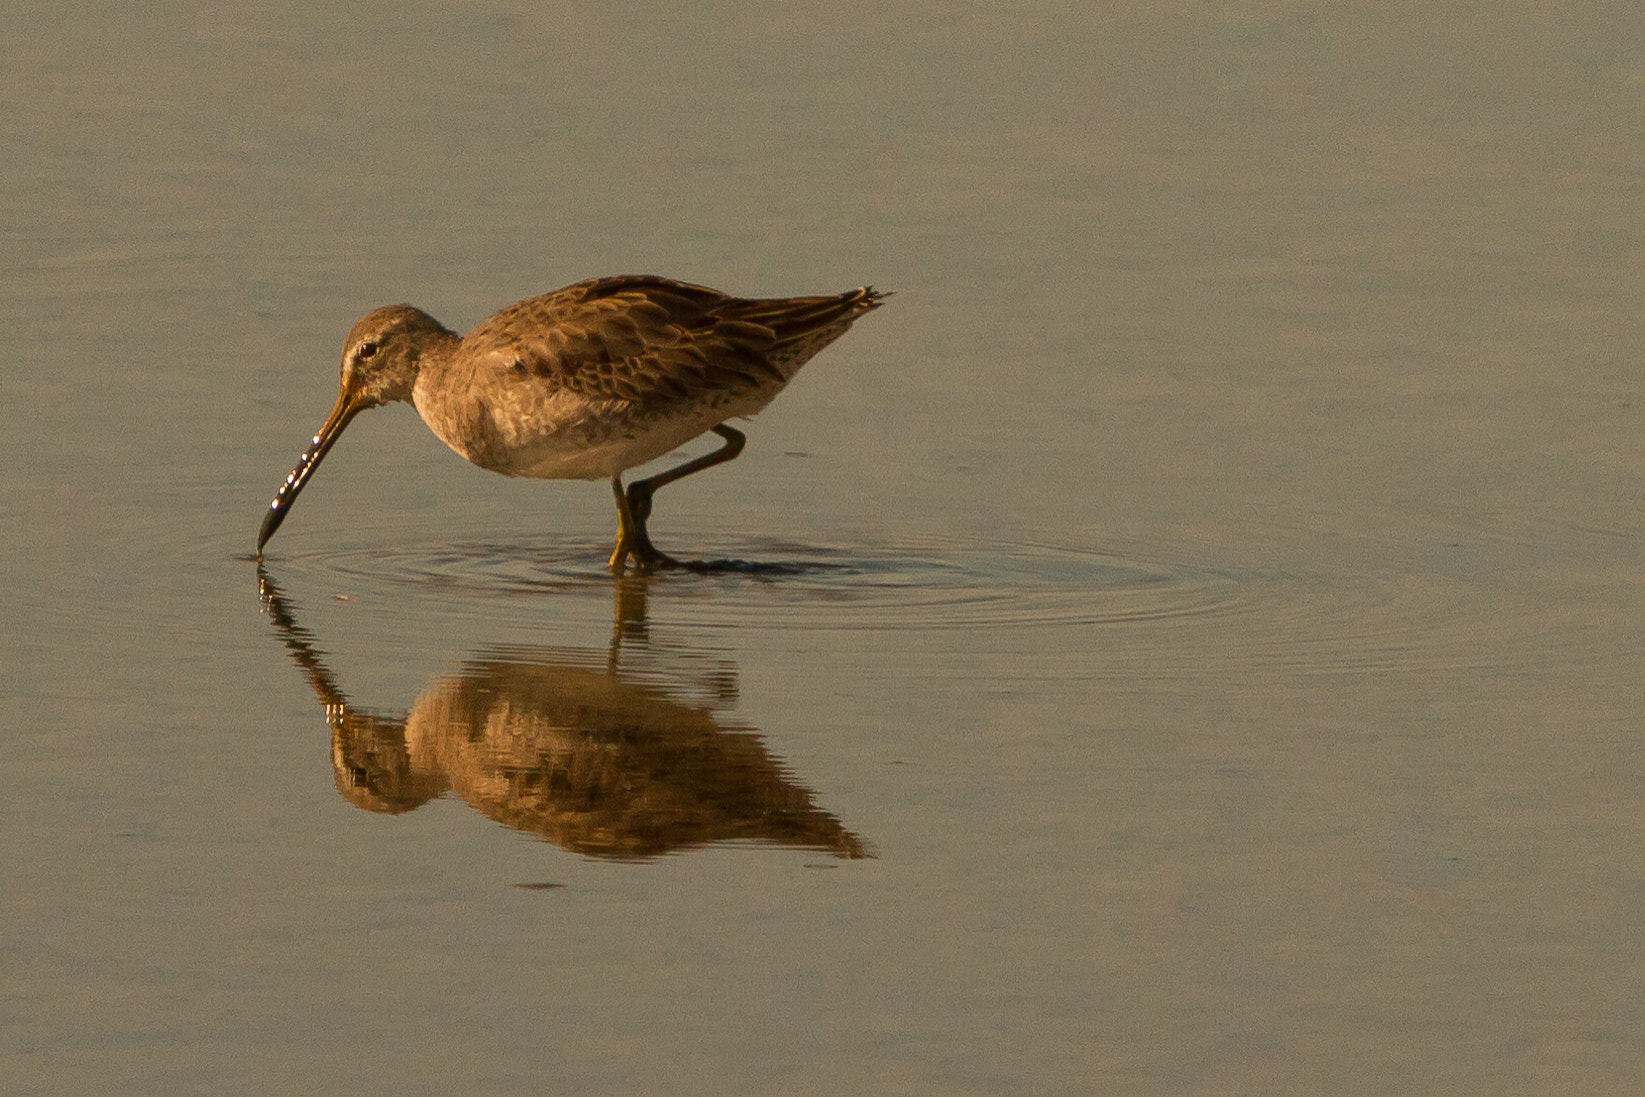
<point x="584" y="383"/>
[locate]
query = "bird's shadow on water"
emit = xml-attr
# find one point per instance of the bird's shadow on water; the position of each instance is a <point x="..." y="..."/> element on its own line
<point x="765" y="569"/>
<point x="553" y="565"/>
<point x="626" y="757"/>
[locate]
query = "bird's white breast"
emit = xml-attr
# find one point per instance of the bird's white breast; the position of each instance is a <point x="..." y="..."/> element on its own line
<point x="530" y="430"/>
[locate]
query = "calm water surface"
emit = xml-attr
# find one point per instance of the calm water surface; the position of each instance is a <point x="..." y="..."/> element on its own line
<point x="1198" y="639"/>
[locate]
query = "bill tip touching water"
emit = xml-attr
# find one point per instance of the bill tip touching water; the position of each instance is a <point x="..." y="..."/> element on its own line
<point x="584" y="383"/>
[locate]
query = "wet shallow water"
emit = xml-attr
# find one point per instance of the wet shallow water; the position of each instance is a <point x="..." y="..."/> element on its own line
<point x="1188" y="641"/>
<point x="915" y="585"/>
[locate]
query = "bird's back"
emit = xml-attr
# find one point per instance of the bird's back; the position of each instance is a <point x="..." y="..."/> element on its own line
<point x="611" y="372"/>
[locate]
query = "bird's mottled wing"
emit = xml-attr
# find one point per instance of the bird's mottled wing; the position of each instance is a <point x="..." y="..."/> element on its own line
<point x="800" y="319"/>
<point x="645" y="340"/>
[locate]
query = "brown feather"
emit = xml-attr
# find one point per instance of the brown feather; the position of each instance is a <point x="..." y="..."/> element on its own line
<point x="651" y="340"/>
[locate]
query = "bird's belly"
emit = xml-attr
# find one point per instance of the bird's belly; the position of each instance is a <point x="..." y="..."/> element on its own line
<point x="605" y="452"/>
<point x="563" y="436"/>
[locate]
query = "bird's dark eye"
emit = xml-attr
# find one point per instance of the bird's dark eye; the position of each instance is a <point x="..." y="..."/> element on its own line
<point x="367" y="350"/>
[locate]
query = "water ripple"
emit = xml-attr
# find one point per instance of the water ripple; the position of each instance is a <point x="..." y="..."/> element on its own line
<point x="926" y="584"/>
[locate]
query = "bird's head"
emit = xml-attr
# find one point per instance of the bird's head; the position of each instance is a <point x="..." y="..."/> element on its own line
<point x="381" y="357"/>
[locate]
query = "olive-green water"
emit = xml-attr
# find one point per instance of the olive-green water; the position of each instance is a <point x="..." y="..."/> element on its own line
<point x="1205" y="646"/>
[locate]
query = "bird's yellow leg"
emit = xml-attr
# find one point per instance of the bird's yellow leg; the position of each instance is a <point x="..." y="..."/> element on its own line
<point x="634" y="505"/>
<point x="619" y="555"/>
<point x="632" y="539"/>
<point x="641" y="491"/>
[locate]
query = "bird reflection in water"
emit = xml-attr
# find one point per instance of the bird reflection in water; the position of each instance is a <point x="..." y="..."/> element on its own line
<point x="574" y="753"/>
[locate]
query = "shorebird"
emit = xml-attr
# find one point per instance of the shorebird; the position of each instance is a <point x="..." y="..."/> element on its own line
<point x="584" y="383"/>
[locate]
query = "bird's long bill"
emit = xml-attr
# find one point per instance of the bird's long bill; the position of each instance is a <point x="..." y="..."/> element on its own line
<point x="346" y="408"/>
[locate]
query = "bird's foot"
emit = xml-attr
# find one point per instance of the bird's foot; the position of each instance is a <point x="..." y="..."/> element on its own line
<point x="647" y="557"/>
